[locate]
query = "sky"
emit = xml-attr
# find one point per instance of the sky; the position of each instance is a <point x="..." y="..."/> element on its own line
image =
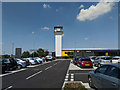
<point x="30" y="25"/>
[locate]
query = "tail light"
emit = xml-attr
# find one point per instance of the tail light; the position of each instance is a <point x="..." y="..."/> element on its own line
<point x="101" y="60"/>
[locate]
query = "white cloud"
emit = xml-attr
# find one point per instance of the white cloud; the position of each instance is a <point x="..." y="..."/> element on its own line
<point x="33" y="32"/>
<point x="86" y="38"/>
<point x="46" y="28"/>
<point x="94" y="12"/>
<point x="46" y="6"/>
<point x="81" y="6"/>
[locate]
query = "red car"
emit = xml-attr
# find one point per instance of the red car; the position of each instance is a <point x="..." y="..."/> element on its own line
<point x="84" y="62"/>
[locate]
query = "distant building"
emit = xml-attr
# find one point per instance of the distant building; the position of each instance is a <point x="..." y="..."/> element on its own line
<point x="18" y="52"/>
<point x="90" y="52"/>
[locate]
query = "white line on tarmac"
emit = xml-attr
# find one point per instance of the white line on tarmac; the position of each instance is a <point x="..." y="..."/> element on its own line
<point x="48" y="67"/>
<point x="9" y="87"/>
<point x="11" y="72"/>
<point x="55" y="64"/>
<point x="33" y="75"/>
<point x="71" y="79"/>
<point x="66" y="77"/>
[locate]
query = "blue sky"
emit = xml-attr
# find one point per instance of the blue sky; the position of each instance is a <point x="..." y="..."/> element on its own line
<point x="31" y="25"/>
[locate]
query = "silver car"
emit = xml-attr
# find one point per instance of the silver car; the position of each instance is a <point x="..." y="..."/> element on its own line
<point x="101" y="60"/>
<point x="105" y="77"/>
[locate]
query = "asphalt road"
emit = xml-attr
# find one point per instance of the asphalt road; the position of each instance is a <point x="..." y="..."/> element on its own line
<point x="80" y="75"/>
<point x="49" y="75"/>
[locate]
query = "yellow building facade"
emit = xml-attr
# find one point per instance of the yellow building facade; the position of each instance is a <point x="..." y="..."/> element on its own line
<point x="66" y="51"/>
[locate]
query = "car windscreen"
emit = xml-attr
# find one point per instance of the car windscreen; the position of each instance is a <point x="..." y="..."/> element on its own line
<point x="5" y="61"/>
<point x="93" y="57"/>
<point x="85" y="60"/>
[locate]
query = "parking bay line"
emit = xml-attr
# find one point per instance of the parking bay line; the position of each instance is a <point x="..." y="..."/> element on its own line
<point x="48" y="67"/>
<point x="12" y="72"/>
<point x="8" y="87"/>
<point x="33" y="75"/>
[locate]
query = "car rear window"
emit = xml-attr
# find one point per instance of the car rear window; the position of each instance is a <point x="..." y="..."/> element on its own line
<point x="85" y="60"/>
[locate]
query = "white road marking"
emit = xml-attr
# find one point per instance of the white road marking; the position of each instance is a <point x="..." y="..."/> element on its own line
<point x="67" y="74"/>
<point x="33" y="75"/>
<point x="55" y="64"/>
<point x="71" y="79"/>
<point x="11" y="72"/>
<point x="9" y="87"/>
<point x="66" y="77"/>
<point x="48" y="67"/>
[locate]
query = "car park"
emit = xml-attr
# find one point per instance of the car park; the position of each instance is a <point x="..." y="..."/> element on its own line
<point x="11" y="63"/>
<point x="116" y="59"/>
<point x="75" y="59"/>
<point x="39" y="60"/>
<point x="21" y="63"/>
<point x="92" y="58"/>
<point x="4" y="66"/>
<point x="32" y="61"/>
<point x="84" y="62"/>
<point x="26" y="60"/>
<point x="101" y="60"/>
<point x="106" y="76"/>
<point x="48" y="58"/>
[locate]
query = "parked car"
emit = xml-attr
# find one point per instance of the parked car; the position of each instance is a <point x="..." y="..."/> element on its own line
<point x="48" y="58"/>
<point x="101" y="60"/>
<point x="21" y="63"/>
<point x="116" y="59"/>
<point x="84" y="62"/>
<point x="39" y="60"/>
<point x="4" y="66"/>
<point x="43" y="59"/>
<point x="11" y="63"/>
<point x="92" y="58"/>
<point x="32" y="61"/>
<point x="27" y="61"/>
<point x="75" y="59"/>
<point x="106" y="76"/>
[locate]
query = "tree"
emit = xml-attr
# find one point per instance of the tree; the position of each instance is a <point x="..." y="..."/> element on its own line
<point x="25" y="54"/>
<point x="46" y="52"/>
<point x="35" y="54"/>
<point x="42" y="53"/>
<point x="6" y="56"/>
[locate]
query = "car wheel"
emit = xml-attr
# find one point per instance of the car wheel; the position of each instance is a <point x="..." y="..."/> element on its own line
<point x="19" y="66"/>
<point x="90" y="82"/>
